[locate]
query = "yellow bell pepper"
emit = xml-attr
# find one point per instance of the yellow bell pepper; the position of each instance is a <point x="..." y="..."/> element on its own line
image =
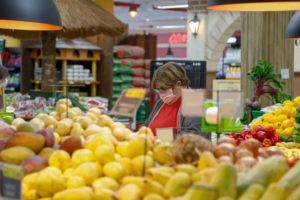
<point x="288" y="103"/>
<point x="293" y="112"/>
<point x="271" y="125"/>
<point x="288" y="131"/>
<point x="287" y="123"/>
<point x="274" y="119"/>
<point x="278" y="125"/>
<point x="293" y="120"/>
<point x="266" y="118"/>
<point x="277" y="111"/>
<point x="286" y="110"/>
<point x="282" y="118"/>
<point x="297" y="101"/>
<point x="278" y="131"/>
<point x="265" y="124"/>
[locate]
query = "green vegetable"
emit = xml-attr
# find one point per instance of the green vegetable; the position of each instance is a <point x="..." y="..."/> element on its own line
<point x="296" y="136"/>
<point x="297" y="118"/>
<point x="298" y="109"/>
<point x="267" y="82"/>
<point x="297" y="126"/>
<point x="284" y="137"/>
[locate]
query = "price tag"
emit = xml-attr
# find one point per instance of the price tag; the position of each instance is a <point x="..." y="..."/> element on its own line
<point x="10" y="181"/>
<point x="165" y="134"/>
<point x="88" y="83"/>
<point x="12" y="89"/>
<point x="128" y="102"/>
<point x="37" y="82"/>
<point x="193" y="102"/>
<point x="135" y="93"/>
<point x="71" y="82"/>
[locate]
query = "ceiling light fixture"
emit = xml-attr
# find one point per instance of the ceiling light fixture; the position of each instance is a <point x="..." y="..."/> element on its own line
<point x="253" y="5"/>
<point x="172" y="6"/>
<point x="194" y="25"/>
<point x="133" y="10"/>
<point x="30" y="15"/>
<point x="293" y="29"/>
<point x="231" y="40"/>
<point x="171" y="27"/>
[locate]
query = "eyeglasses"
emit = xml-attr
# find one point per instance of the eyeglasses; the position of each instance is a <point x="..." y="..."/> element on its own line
<point x="160" y="90"/>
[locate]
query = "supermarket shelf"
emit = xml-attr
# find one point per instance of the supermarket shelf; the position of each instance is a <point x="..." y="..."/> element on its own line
<point x="236" y="64"/>
<point x="35" y="81"/>
<point x="80" y="83"/>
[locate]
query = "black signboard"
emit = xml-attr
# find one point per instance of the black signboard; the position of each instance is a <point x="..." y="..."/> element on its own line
<point x="128" y="102"/>
<point x="10" y="182"/>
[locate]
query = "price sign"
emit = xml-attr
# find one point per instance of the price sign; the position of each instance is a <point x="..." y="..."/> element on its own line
<point x="128" y="102"/>
<point x="88" y="83"/>
<point x="10" y="182"/>
<point x="165" y="134"/>
<point x="71" y="82"/>
<point x="37" y="82"/>
<point x="193" y="102"/>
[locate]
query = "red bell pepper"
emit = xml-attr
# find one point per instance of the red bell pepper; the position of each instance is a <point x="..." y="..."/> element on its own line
<point x="239" y="141"/>
<point x="240" y="135"/>
<point x="293" y="162"/>
<point x="261" y="145"/>
<point x="233" y="135"/>
<point x="254" y="133"/>
<point x="247" y="131"/>
<point x="267" y="143"/>
<point x="275" y="138"/>
<point x="248" y="136"/>
<point x="261" y="135"/>
<point x="269" y="131"/>
<point x="258" y="128"/>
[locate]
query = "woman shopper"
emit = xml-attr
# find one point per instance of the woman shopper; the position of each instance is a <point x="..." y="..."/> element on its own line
<point x="168" y="81"/>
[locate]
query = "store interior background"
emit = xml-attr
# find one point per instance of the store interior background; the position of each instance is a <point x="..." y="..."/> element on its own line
<point x="172" y="30"/>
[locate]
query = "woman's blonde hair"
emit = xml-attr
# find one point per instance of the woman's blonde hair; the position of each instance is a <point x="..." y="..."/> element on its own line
<point x="168" y="75"/>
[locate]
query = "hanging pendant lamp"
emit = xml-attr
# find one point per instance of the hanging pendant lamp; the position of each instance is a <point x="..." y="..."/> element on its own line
<point x="293" y="29"/>
<point x="253" y="5"/>
<point x="33" y="15"/>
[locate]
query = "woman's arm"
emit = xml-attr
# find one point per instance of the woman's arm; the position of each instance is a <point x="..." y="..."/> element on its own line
<point x="193" y="125"/>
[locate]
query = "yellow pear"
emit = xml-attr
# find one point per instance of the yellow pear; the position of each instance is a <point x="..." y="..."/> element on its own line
<point x="64" y="102"/>
<point x="105" y="120"/>
<point x="77" y="131"/>
<point x="68" y="114"/>
<point x="62" y="128"/>
<point x="95" y="111"/>
<point x="55" y="115"/>
<point x="92" y="116"/>
<point x="117" y="124"/>
<point x="50" y="120"/>
<point x="119" y="133"/>
<point x="77" y="111"/>
<point x="61" y="109"/>
<point x="84" y="122"/>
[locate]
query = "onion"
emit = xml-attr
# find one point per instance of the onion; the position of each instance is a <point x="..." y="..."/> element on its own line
<point x="252" y="145"/>
<point x="274" y="151"/>
<point x="245" y="163"/>
<point x="224" y="149"/>
<point x="211" y="115"/>
<point x="225" y="159"/>
<point x="241" y="153"/>
<point x="260" y="159"/>
<point x="227" y="139"/>
<point x="262" y="153"/>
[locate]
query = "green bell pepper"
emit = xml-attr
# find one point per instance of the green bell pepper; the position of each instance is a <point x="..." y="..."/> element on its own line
<point x="297" y="126"/>
<point x="284" y="137"/>
<point x="296" y="136"/>
<point x="297" y="118"/>
<point x="298" y="109"/>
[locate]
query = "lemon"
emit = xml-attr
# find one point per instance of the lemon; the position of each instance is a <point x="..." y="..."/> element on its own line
<point x="77" y="111"/>
<point x="74" y="194"/>
<point x="61" y="109"/>
<point x="55" y="115"/>
<point x="84" y="121"/>
<point x="50" y="120"/>
<point x="70" y="114"/>
<point x="60" y="159"/>
<point x="104" y="193"/>
<point x="98" y="140"/>
<point x="69" y="172"/>
<point x="24" y="189"/>
<point x="88" y="171"/>
<point x="95" y="111"/>
<point x="117" y="157"/>
<point x="29" y="181"/>
<point x="114" y="170"/>
<point x="63" y="128"/>
<point x="138" y="164"/>
<point x="104" y="154"/>
<point x="106" y="182"/>
<point x="138" y="145"/>
<point x="126" y="164"/>
<point x="31" y="195"/>
<point x="81" y="156"/>
<point x="49" y="182"/>
<point x="91" y="130"/>
<point x="92" y="116"/>
<point x="75" y="182"/>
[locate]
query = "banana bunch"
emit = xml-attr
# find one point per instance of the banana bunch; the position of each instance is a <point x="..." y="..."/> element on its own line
<point x="290" y="150"/>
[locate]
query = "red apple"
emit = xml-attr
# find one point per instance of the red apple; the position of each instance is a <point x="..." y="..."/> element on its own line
<point x="2" y="143"/>
<point x="7" y="132"/>
<point x="48" y="135"/>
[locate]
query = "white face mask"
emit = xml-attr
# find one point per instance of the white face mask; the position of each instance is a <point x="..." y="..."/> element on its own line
<point x="3" y="82"/>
